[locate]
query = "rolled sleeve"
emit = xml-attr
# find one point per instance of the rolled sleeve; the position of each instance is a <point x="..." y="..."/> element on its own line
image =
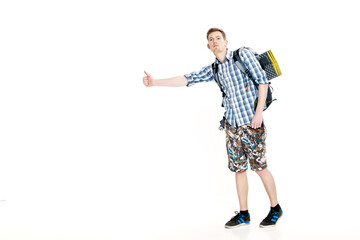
<point x="253" y="65"/>
<point x="204" y="75"/>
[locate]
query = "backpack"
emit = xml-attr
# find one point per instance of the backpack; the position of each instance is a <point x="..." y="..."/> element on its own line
<point x="267" y="62"/>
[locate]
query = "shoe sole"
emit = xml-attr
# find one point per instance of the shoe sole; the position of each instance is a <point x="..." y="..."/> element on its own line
<point x="240" y="225"/>
<point x="271" y="226"/>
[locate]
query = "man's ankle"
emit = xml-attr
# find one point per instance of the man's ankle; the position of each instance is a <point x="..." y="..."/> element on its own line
<point x="245" y="212"/>
<point x="276" y="208"/>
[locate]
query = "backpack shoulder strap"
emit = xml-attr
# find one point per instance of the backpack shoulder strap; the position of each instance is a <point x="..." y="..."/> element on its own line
<point x="241" y="65"/>
<point x="216" y="77"/>
<point x="238" y="61"/>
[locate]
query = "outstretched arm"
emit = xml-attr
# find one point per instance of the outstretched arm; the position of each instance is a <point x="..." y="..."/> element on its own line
<point x="179" y="81"/>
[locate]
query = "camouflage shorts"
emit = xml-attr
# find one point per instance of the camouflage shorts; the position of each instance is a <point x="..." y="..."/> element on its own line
<point x="245" y="144"/>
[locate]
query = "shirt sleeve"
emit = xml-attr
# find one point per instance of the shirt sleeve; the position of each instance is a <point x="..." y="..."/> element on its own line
<point x="253" y="65"/>
<point x="204" y="75"/>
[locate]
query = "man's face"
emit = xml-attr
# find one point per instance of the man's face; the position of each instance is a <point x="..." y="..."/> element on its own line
<point x="216" y="42"/>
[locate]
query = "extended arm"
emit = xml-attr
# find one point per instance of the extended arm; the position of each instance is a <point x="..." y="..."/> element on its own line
<point x="179" y="81"/>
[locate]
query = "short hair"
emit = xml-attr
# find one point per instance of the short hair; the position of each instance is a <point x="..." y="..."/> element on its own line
<point x="211" y="30"/>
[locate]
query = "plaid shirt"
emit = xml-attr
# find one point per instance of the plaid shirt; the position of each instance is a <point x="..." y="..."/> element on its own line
<point x="239" y="89"/>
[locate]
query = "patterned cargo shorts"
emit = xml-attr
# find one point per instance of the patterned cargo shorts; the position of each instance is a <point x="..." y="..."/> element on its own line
<point x="245" y="144"/>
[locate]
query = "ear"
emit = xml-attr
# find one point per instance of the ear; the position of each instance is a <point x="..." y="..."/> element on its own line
<point x="208" y="46"/>
<point x="226" y="43"/>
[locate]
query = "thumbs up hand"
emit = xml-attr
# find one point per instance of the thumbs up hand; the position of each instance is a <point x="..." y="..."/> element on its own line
<point x="148" y="80"/>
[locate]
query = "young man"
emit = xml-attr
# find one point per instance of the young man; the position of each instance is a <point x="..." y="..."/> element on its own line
<point x="244" y="127"/>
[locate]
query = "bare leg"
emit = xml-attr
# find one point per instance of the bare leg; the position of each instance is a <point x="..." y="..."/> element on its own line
<point x="269" y="184"/>
<point x="242" y="189"/>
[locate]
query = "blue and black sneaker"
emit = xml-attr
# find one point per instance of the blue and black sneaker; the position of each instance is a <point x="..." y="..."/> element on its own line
<point x="238" y="220"/>
<point x="271" y="219"/>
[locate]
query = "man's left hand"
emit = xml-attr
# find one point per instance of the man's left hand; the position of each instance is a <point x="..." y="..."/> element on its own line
<point x="257" y="120"/>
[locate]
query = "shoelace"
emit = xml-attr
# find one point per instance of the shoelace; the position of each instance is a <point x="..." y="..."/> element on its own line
<point x="237" y="214"/>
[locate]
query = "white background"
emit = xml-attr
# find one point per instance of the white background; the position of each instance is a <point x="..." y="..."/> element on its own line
<point x="88" y="152"/>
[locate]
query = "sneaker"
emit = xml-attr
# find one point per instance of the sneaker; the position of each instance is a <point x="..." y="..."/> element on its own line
<point x="271" y="218"/>
<point x="238" y="220"/>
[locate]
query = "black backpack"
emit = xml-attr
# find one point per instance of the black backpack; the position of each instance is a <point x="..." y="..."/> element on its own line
<point x="267" y="62"/>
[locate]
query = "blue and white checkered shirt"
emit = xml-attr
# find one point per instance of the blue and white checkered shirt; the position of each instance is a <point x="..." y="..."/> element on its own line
<point x="239" y="100"/>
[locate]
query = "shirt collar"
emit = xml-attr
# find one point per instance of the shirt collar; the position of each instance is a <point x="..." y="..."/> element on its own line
<point x="228" y="56"/>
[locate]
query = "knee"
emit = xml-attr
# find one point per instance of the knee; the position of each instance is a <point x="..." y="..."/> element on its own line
<point x="241" y="173"/>
<point x="262" y="172"/>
